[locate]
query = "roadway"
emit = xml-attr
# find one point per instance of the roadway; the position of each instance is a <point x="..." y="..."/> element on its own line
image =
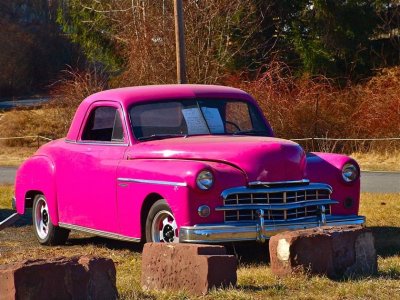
<point x="6" y="105"/>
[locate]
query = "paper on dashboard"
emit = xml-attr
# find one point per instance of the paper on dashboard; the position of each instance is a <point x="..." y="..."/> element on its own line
<point x="195" y="121"/>
<point x="214" y="120"/>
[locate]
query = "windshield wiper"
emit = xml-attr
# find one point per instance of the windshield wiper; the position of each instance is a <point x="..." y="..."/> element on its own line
<point x="250" y="132"/>
<point x="158" y="136"/>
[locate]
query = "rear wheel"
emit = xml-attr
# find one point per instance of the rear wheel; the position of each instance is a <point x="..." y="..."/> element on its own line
<point x="161" y="226"/>
<point x="45" y="231"/>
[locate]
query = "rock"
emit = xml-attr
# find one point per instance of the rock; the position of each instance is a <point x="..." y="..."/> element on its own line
<point x="84" y="277"/>
<point x="193" y="268"/>
<point x="333" y="251"/>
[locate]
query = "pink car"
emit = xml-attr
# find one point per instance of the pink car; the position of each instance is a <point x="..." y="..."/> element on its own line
<point x="181" y="163"/>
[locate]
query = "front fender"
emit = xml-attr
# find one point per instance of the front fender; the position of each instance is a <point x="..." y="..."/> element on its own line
<point x="37" y="174"/>
<point x="327" y="168"/>
<point x="184" y="197"/>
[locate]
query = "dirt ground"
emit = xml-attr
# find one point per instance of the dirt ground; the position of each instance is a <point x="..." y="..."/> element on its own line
<point x="255" y="279"/>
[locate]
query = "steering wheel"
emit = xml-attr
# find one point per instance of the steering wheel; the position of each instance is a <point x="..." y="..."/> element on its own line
<point x="233" y="124"/>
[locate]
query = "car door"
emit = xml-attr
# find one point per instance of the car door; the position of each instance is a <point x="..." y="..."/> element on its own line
<point x="87" y="172"/>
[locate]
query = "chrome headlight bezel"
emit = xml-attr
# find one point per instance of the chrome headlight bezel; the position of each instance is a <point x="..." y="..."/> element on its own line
<point x="205" y="180"/>
<point x="204" y="211"/>
<point x="350" y="173"/>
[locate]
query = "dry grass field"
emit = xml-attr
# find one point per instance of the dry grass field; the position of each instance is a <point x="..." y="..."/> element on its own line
<point x="373" y="161"/>
<point x="14" y="156"/>
<point x="379" y="161"/>
<point x="255" y="279"/>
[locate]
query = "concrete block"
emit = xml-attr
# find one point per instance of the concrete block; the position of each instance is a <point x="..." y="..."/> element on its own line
<point x="333" y="251"/>
<point x="189" y="267"/>
<point x="84" y="277"/>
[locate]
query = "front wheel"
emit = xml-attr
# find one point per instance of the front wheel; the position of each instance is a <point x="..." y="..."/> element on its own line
<point x="45" y="231"/>
<point x="161" y="226"/>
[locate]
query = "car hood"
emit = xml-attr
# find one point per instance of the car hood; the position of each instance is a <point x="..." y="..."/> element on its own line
<point x="260" y="158"/>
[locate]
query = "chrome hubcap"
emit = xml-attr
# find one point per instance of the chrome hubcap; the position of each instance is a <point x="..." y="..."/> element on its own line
<point x="42" y="219"/>
<point x="164" y="228"/>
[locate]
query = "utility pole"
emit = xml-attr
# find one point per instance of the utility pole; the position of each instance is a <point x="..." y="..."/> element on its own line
<point x="180" y="42"/>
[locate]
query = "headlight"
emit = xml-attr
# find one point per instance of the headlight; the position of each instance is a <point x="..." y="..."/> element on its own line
<point x="349" y="172"/>
<point x="205" y="180"/>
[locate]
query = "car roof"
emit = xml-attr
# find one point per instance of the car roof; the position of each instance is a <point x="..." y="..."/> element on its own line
<point x="130" y="95"/>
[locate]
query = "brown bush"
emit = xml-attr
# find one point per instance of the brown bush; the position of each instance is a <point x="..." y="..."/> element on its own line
<point x="316" y="107"/>
<point x="378" y="112"/>
<point x="295" y="107"/>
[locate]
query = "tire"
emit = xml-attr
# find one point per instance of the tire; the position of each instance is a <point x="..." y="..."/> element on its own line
<point x="161" y="226"/>
<point x="45" y="232"/>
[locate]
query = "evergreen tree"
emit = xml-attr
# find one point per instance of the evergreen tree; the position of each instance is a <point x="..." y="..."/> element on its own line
<point x="330" y="37"/>
<point x="87" y="24"/>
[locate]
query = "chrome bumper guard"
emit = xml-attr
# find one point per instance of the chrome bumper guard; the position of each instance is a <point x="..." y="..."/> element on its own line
<point x="260" y="230"/>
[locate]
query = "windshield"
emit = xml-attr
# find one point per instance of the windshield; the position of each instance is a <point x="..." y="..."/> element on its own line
<point x="196" y="117"/>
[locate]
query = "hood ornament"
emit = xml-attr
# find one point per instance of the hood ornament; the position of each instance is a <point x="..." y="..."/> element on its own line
<point x="279" y="183"/>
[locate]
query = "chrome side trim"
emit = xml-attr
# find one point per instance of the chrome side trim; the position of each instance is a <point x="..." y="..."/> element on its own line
<point x="120" y="144"/>
<point x="250" y="190"/>
<point x="161" y="182"/>
<point x="101" y="233"/>
<point x="278" y="206"/>
<point x="235" y="232"/>
<point x="272" y="183"/>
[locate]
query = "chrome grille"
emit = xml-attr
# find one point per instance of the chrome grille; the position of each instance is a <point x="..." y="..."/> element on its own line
<point x="237" y="200"/>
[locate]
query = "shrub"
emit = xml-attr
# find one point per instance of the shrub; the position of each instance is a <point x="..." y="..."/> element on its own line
<point x="317" y="107"/>
<point x="295" y="107"/>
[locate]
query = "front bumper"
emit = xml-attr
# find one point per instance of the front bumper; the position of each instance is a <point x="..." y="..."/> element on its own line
<point x="256" y="231"/>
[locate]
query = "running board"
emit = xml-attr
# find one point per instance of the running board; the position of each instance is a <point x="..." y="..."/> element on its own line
<point x="9" y="221"/>
<point x="101" y="233"/>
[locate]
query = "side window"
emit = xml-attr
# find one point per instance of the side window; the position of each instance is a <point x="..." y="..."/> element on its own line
<point x="104" y="124"/>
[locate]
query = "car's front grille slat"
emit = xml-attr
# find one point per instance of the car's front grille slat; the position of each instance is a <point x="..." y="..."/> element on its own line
<point x="241" y="204"/>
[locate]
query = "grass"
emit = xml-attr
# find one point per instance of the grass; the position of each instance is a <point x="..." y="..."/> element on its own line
<point x="6" y="193"/>
<point x="45" y="121"/>
<point x="378" y="161"/>
<point x="14" y="156"/>
<point x="255" y="279"/>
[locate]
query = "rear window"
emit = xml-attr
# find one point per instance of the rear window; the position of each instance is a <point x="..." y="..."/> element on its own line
<point x="104" y="124"/>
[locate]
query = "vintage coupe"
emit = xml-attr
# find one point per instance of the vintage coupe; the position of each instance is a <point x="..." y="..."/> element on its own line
<point x="181" y="163"/>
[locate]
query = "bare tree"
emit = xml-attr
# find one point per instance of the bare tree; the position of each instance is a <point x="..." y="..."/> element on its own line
<point x="144" y="33"/>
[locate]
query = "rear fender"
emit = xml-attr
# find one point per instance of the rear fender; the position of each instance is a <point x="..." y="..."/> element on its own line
<point x="36" y="175"/>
